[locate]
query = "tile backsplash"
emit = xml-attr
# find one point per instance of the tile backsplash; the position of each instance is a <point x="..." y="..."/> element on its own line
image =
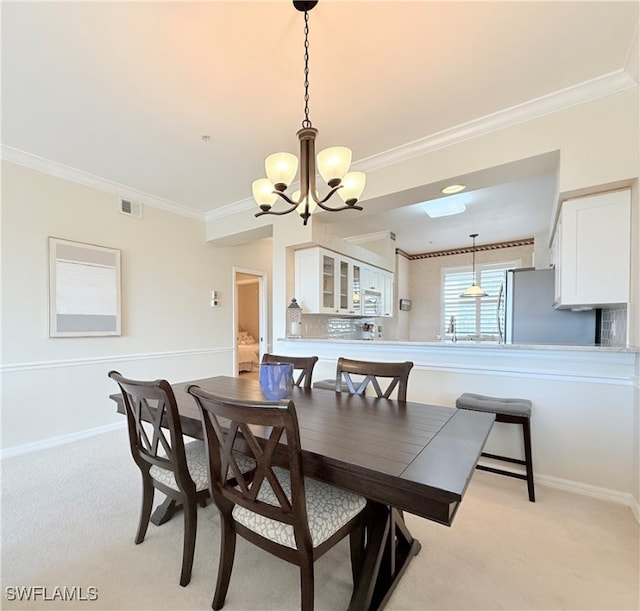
<point x="336" y="327"/>
<point x="613" y="330"/>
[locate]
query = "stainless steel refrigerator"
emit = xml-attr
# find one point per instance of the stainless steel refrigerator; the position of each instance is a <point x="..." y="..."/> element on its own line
<point x="530" y="317"/>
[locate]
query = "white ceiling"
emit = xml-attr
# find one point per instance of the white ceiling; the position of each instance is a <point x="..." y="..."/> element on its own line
<point x="120" y="94"/>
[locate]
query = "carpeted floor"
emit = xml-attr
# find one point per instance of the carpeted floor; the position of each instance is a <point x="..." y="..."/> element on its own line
<point x="69" y="516"/>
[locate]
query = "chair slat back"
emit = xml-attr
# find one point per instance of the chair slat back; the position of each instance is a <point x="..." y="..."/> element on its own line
<point x="154" y="402"/>
<point x="302" y="367"/>
<point x="264" y="431"/>
<point x="370" y="373"/>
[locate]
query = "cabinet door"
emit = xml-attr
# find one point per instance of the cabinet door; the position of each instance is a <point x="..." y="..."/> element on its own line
<point x="329" y="282"/>
<point x="344" y="286"/>
<point x="356" y="288"/>
<point x="595" y="249"/>
<point x="372" y="279"/>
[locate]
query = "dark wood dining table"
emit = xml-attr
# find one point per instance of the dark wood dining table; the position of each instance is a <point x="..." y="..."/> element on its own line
<point x="403" y="456"/>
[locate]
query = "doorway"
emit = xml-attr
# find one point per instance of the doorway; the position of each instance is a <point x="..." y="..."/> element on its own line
<point x="249" y="321"/>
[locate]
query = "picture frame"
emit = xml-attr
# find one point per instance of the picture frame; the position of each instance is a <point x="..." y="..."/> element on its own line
<point x="84" y="289"/>
<point x="405" y="305"/>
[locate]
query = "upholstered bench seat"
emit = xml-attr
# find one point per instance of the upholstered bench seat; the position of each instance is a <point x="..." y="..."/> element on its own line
<point x="494" y="405"/>
<point x="512" y="411"/>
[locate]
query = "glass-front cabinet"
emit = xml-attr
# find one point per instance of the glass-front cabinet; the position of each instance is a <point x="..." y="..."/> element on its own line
<point x="329" y="283"/>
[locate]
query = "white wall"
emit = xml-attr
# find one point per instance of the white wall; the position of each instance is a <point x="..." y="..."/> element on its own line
<point x="53" y="387"/>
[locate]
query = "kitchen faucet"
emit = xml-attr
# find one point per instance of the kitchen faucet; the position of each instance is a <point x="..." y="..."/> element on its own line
<point x="452" y="329"/>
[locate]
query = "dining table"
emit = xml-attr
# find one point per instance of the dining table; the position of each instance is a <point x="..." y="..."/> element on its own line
<point x="403" y="456"/>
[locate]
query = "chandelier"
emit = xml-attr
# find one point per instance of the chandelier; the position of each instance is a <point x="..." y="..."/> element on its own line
<point x="474" y="290"/>
<point x="332" y="164"/>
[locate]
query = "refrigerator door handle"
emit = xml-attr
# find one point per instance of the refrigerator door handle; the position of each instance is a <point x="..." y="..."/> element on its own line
<point x="498" y="317"/>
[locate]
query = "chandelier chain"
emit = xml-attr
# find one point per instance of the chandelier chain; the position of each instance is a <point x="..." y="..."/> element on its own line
<point x="306" y="122"/>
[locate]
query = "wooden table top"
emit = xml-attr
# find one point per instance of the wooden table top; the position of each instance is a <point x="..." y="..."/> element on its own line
<point x="413" y="456"/>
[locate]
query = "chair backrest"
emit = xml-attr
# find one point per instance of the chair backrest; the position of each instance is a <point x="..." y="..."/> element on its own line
<point x="153" y="401"/>
<point x="372" y="373"/>
<point x="302" y="367"/>
<point x="227" y="423"/>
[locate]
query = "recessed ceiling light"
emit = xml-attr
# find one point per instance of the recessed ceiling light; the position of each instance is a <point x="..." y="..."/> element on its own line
<point x="453" y="189"/>
<point x="443" y="207"/>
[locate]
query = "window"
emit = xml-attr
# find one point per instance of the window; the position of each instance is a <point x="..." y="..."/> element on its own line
<point x="476" y="318"/>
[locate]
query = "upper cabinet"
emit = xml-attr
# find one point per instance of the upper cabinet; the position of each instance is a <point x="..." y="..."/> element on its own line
<point x="591" y="249"/>
<point x="330" y="283"/>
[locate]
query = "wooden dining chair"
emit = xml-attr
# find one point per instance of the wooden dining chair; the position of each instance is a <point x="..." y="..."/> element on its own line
<point x="302" y="367"/>
<point x="293" y="517"/>
<point x="167" y="464"/>
<point x="369" y="373"/>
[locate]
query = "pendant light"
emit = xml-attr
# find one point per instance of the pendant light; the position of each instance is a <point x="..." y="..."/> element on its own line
<point x="332" y="163"/>
<point x="474" y="290"/>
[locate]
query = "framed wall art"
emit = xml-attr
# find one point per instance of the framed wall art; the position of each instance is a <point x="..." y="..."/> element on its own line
<point x="84" y="289"/>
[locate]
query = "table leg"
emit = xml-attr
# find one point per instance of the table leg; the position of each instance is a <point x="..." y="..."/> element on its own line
<point x="389" y="550"/>
<point x="165" y="511"/>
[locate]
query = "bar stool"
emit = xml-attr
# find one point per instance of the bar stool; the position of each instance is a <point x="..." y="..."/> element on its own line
<point x="512" y="411"/>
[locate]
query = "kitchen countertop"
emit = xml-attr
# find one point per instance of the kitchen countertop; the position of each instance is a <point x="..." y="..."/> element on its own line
<point x="469" y="344"/>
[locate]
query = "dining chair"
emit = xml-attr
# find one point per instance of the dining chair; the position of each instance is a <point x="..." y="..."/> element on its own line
<point x="167" y="464"/>
<point x="294" y="517"/>
<point x="369" y="373"/>
<point x="302" y="367"/>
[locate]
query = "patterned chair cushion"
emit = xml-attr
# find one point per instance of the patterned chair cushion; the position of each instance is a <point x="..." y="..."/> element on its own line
<point x="328" y="509"/>
<point x="197" y="464"/>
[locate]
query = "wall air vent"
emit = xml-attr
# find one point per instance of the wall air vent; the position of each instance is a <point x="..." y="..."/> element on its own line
<point x="131" y="208"/>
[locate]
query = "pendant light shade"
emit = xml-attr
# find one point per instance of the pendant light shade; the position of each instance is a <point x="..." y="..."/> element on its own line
<point x="281" y="169"/>
<point x="474" y="290"/>
<point x="352" y="187"/>
<point x="333" y="164"/>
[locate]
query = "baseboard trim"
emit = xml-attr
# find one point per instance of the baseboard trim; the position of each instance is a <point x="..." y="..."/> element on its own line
<point x="53" y="442"/>
<point x="604" y="494"/>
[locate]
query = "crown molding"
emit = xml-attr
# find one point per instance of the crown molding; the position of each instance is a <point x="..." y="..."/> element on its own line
<point x="582" y="93"/>
<point x="53" y="168"/>
<point x="466" y="249"/>
<point x="605" y="85"/>
<point x="602" y="86"/>
<point x="370" y="237"/>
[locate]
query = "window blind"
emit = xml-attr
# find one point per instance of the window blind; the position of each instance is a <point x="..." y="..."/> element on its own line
<point x="474" y="317"/>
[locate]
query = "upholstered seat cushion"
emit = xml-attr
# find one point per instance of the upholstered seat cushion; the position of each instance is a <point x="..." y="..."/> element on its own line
<point x="496" y="405"/>
<point x="330" y="385"/>
<point x="328" y="509"/>
<point x="197" y="465"/>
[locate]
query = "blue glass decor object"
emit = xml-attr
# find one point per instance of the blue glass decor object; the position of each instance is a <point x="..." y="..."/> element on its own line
<point x="276" y="380"/>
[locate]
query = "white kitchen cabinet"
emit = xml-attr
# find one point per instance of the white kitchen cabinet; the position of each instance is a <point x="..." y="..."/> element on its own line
<point x="324" y="282"/>
<point x="329" y="283"/>
<point x="379" y="281"/>
<point x="592" y="246"/>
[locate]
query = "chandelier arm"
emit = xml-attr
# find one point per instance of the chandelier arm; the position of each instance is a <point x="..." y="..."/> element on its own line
<point x="287" y="199"/>
<point x="292" y="203"/>
<point x="274" y="212"/>
<point x="345" y="207"/>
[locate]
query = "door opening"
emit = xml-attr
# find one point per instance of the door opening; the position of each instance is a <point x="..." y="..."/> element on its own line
<point x="249" y="315"/>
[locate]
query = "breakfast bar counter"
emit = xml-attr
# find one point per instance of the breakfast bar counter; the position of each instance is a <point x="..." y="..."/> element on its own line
<point x="584" y="419"/>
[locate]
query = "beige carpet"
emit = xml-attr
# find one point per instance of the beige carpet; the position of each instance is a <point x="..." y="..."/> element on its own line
<point x="69" y="516"/>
